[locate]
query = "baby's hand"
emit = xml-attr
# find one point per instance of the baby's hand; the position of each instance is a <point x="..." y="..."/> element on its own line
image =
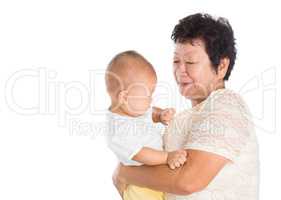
<point x="176" y="158"/>
<point x="167" y="115"/>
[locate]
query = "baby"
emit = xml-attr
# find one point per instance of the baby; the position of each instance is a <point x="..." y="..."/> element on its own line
<point x="134" y="132"/>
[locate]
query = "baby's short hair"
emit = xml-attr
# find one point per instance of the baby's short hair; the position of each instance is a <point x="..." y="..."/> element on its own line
<point x="123" y="68"/>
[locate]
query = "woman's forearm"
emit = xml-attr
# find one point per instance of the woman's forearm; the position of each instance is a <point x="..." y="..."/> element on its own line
<point x="159" y="177"/>
<point x="198" y="171"/>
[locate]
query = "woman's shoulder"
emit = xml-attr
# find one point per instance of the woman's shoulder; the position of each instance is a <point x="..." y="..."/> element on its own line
<point x="220" y="102"/>
<point x="225" y="95"/>
<point x="225" y="100"/>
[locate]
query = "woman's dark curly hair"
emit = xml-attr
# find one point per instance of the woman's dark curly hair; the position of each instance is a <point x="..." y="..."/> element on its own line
<point x="216" y="34"/>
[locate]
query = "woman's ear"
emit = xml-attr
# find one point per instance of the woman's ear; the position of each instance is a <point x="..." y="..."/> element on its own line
<point x="123" y="97"/>
<point x="222" y="69"/>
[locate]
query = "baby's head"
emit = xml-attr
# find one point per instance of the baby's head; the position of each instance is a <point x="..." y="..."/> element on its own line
<point x="130" y="81"/>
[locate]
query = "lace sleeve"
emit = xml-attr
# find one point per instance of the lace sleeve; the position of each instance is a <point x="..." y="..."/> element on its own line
<point x="221" y="127"/>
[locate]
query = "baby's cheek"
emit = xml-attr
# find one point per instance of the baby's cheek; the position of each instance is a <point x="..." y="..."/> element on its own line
<point x="140" y="104"/>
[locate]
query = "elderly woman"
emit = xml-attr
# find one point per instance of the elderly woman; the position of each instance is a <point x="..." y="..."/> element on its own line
<point x="217" y="132"/>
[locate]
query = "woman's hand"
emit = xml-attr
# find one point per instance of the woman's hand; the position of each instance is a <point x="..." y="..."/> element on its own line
<point x="117" y="181"/>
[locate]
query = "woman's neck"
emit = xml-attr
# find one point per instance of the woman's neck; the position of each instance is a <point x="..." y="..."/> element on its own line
<point x="195" y="102"/>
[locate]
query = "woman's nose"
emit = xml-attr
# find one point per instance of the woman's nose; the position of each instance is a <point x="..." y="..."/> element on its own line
<point x="181" y="68"/>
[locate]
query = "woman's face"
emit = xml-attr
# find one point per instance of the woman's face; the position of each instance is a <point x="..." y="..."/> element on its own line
<point x="193" y="70"/>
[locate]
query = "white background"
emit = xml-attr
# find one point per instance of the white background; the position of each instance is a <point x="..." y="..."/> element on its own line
<point x="52" y="95"/>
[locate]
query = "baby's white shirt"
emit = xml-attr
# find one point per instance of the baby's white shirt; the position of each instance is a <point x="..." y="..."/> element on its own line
<point x="126" y="136"/>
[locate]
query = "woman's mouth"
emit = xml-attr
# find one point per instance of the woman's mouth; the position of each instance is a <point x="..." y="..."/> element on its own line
<point x="184" y="84"/>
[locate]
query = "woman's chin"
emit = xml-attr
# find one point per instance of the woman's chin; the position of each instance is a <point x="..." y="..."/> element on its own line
<point x="186" y="90"/>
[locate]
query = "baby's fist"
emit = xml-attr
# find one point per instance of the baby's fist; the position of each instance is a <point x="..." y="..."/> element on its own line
<point x="167" y="115"/>
<point x="176" y="158"/>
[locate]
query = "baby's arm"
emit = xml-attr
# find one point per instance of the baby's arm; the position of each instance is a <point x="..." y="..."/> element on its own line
<point x="149" y="156"/>
<point x="162" y="115"/>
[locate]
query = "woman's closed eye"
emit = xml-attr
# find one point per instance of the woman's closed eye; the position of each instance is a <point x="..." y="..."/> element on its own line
<point x="190" y="62"/>
<point x="186" y="62"/>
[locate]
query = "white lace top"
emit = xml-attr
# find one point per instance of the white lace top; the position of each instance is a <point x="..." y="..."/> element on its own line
<point x="221" y="124"/>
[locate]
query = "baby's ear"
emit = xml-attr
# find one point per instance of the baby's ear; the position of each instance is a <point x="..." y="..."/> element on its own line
<point x="123" y="97"/>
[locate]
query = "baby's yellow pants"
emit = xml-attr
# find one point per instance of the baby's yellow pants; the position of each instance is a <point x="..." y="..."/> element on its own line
<point x="133" y="192"/>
